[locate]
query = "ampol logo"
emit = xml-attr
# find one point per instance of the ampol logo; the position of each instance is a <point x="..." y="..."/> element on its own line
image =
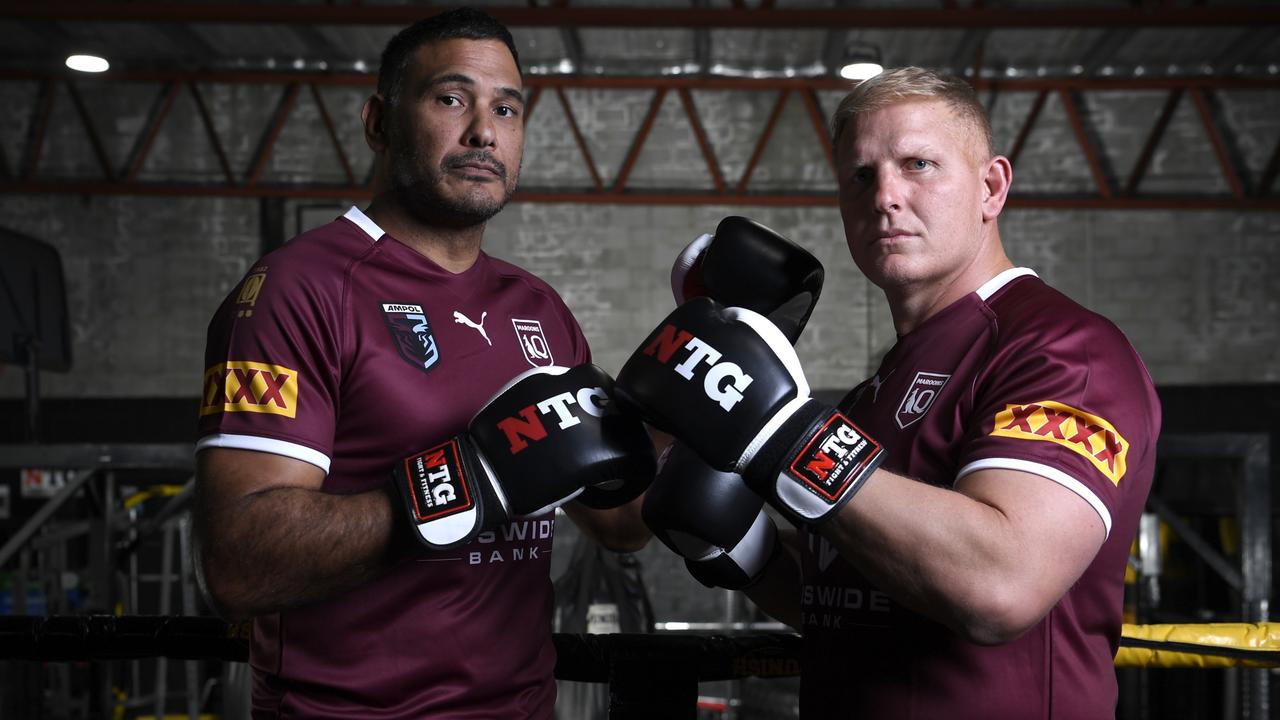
<point x="412" y="334"/>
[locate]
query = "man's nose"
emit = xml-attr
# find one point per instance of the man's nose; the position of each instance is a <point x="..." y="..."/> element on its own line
<point x="888" y="196"/>
<point x="480" y="131"/>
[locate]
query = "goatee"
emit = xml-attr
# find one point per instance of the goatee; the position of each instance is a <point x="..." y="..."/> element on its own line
<point x="420" y="192"/>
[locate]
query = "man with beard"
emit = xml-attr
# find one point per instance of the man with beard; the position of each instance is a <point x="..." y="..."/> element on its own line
<point x="354" y="346"/>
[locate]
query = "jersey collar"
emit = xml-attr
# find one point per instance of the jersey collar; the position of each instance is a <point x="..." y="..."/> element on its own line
<point x="990" y="287"/>
<point x="357" y="216"/>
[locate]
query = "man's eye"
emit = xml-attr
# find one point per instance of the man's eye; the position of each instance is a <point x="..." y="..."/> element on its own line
<point x="505" y="111"/>
<point x="919" y="164"/>
<point x="449" y="100"/>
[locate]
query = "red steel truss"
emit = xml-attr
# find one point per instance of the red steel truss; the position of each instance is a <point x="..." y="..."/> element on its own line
<point x="20" y="175"/>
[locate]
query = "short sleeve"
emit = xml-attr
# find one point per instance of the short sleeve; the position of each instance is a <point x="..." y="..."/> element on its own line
<point x="272" y="364"/>
<point x="1070" y="403"/>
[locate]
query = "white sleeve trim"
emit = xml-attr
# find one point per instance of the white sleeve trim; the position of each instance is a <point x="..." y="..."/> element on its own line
<point x="267" y="445"/>
<point x="1045" y="471"/>
<point x="990" y="287"/>
<point x="357" y="216"/>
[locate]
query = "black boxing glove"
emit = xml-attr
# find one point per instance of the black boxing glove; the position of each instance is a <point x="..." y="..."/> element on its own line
<point x="542" y="439"/>
<point x="727" y="382"/>
<point x="748" y="265"/>
<point x="711" y="519"/>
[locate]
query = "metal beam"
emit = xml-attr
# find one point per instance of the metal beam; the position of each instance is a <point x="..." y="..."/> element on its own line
<point x="1028" y="124"/>
<point x="636" y="16"/>
<point x="704" y="145"/>
<point x="176" y="456"/>
<point x="630" y="197"/>
<point x="637" y="144"/>
<point x="671" y="82"/>
<point x="596" y="182"/>
<point x="1086" y="146"/>
<point x="232" y="184"/>
<point x="1219" y="143"/>
<point x="1153" y="141"/>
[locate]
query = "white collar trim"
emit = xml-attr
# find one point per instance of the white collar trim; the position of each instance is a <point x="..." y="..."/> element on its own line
<point x="990" y="287"/>
<point x="357" y="216"/>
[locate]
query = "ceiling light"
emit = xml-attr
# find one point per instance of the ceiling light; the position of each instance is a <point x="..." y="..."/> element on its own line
<point x="88" y="63"/>
<point x="861" y="61"/>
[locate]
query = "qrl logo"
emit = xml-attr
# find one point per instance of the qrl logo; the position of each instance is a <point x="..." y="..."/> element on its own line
<point x="834" y="458"/>
<point x="526" y="426"/>
<point x="436" y="482"/>
<point x="924" y="389"/>
<point x="533" y="342"/>
<point x="724" y="382"/>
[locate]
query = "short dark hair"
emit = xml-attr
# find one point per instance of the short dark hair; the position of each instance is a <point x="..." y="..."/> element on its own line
<point x="467" y="23"/>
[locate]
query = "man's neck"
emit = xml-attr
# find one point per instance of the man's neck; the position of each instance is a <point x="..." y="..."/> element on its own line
<point x="911" y="306"/>
<point x="454" y="249"/>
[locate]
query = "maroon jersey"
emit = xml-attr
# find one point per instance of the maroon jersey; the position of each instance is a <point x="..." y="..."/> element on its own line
<point x="349" y="350"/>
<point x="1015" y="376"/>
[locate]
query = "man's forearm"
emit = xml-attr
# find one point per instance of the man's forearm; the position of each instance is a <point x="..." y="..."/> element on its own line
<point x="285" y="547"/>
<point x="987" y="559"/>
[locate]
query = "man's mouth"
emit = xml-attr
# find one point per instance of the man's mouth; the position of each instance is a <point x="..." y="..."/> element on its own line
<point x="892" y="233"/>
<point x="477" y="166"/>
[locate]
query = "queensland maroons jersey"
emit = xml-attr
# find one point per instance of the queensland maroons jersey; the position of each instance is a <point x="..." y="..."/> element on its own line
<point x="1014" y="376"/>
<point x="349" y="350"/>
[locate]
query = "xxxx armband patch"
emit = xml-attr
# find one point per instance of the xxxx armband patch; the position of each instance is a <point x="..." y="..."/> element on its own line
<point x="436" y="483"/>
<point x="1087" y="435"/>
<point x="835" y="460"/>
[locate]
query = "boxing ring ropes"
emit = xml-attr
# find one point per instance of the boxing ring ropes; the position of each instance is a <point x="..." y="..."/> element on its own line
<point x="648" y="675"/>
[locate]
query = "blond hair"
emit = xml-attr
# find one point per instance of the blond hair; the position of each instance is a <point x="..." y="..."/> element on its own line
<point x="911" y="83"/>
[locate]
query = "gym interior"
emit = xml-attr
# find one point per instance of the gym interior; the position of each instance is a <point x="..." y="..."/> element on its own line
<point x="1145" y="147"/>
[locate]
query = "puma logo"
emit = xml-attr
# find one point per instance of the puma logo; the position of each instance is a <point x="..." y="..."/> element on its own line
<point x="876" y="382"/>
<point x="463" y="319"/>
<point x="873" y="385"/>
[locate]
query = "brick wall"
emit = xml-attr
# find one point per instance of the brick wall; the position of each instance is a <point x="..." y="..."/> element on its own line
<point x="1198" y="292"/>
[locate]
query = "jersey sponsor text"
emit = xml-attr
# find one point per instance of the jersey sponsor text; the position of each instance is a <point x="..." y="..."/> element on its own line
<point x="513" y="542"/>
<point x="243" y="386"/>
<point x="1089" y="436"/>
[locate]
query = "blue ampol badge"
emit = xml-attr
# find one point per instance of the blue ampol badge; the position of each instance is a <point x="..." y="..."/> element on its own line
<point x="412" y="334"/>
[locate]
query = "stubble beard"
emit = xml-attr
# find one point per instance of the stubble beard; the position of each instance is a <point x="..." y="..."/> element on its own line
<point x="420" y="190"/>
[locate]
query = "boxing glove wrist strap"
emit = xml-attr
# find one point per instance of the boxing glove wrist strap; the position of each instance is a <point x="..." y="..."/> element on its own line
<point x="443" y="489"/>
<point x="815" y="462"/>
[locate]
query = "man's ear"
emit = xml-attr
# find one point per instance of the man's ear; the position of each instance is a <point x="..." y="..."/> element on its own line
<point x="996" y="179"/>
<point x="375" y="118"/>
